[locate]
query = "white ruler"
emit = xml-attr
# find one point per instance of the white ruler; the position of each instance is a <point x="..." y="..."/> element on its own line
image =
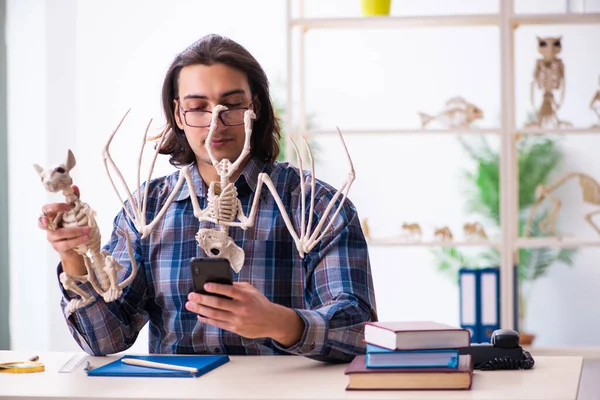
<point x="73" y="363"/>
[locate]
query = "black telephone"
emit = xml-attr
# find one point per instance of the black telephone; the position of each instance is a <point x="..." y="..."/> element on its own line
<point x="503" y="352"/>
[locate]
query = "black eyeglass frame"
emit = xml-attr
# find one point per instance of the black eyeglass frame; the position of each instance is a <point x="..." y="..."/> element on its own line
<point x="184" y="112"/>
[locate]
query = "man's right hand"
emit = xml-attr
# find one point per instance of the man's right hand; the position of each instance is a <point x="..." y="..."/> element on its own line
<point x="64" y="240"/>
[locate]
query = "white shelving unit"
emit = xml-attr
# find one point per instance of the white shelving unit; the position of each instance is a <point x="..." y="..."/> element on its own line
<point x="507" y="22"/>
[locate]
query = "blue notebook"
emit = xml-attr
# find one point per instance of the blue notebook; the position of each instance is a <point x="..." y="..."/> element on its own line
<point x="204" y="364"/>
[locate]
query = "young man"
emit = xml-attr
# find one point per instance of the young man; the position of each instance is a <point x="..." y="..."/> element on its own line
<point x="280" y="303"/>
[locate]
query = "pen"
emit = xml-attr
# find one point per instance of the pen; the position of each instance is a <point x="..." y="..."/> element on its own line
<point x="152" y="364"/>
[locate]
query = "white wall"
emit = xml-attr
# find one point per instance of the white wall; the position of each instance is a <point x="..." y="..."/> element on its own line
<point x="39" y="58"/>
<point x="100" y="58"/>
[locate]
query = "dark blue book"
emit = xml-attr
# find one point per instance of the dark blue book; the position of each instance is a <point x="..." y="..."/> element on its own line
<point x="202" y="364"/>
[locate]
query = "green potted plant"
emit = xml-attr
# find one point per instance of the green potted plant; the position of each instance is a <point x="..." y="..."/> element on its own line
<point x="538" y="158"/>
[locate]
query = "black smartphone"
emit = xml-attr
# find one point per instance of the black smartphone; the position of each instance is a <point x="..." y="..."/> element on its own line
<point x="204" y="270"/>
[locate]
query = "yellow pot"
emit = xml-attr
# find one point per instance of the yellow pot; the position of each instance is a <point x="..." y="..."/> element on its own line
<point x="376" y="7"/>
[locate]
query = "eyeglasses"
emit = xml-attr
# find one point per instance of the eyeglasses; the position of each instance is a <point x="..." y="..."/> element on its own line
<point x="202" y="119"/>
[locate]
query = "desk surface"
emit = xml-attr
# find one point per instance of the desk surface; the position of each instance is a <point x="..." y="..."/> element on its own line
<point x="277" y="377"/>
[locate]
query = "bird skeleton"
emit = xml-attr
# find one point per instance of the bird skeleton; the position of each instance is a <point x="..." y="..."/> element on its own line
<point x="224" y="208"/>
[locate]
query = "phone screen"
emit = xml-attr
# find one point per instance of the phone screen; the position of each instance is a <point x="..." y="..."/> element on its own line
<point x="204" y="270"/>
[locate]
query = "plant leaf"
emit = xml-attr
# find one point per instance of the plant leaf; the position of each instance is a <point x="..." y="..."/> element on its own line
<point x="538" y="158"/>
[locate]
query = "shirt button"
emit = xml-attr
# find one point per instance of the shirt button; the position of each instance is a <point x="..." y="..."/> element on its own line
<point x="217" y="350"/>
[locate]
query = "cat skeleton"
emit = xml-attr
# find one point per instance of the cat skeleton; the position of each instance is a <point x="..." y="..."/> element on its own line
<point x="224" y="208"/>
<point x="100" y="266"/>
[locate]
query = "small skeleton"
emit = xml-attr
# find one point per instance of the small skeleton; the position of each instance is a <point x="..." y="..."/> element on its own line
<point x="590" y="189"/>
<point x="100" y="266"/>
<point x="457" y="113"/>
<point x="413" y="231"/>
<point x="365" y="227"/>
<point x="595" y="106"/>
<point x="474" y="230"/>
<point x="443" y="233"/>
<point x="224" y="208"/>
<point x="548" y="76"/>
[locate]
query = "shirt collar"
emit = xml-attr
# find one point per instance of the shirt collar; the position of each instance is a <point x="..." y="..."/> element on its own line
<point x="248" y="178"/>
<point x="250" y="173"/>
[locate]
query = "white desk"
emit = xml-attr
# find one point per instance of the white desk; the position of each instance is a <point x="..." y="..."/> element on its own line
<point x="278" y="377"/>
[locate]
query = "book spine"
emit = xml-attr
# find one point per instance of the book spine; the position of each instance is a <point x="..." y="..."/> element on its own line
<point x="469" y="290"/>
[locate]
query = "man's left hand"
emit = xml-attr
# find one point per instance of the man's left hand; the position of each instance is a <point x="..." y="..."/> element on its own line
<point x="249" y="313"/>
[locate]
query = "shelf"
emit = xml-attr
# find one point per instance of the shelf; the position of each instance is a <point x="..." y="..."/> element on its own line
<point x="566" y="242"/>
<point x="444" y="21"/>
<point x="398" y="22"/>
<point x="519" y="243"/>
<point x="472" y="131"/>
<point x="564" y="131"/>
<point x="506" y="22"/>
<point x="555" y="19"/>
<point x="431" y="243"/>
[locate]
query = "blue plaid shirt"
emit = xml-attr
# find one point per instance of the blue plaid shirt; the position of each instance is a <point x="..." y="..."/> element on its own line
<point x="331" y="288"/>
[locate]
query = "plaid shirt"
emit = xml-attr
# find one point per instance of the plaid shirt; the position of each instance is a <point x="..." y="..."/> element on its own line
<point x="331" y="288"/>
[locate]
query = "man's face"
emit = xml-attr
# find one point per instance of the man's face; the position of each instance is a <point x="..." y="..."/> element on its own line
<point x="201" y="88"/>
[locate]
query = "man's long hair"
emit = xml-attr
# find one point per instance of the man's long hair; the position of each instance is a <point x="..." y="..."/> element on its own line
<point x="209" y="50"/>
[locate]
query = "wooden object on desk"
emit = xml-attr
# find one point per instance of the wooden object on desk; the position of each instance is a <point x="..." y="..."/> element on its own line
<point x="278" y="377"/>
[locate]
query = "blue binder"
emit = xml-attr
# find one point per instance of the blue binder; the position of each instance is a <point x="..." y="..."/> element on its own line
<point x="468" y="297"/>
<point x="204" y="364"/>
<point x="489" y="292"/>
<point x="479" y="290"/>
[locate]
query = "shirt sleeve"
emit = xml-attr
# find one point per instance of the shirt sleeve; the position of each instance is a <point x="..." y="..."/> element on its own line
<point x="101" y="327"/>
<point x="339" y="290"/>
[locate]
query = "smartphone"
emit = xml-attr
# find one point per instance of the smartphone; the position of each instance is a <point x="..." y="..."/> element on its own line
<point x="204" y="270"/>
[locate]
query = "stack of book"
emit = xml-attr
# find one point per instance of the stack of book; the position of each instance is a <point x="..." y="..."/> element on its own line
<point x="412" y="355"/>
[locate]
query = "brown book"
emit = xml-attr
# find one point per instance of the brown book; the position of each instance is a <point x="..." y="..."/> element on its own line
<point x="362" y="378"/>
<point x="416" y="335"/>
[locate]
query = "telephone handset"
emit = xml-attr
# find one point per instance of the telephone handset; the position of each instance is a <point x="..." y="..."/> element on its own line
<point x="503" y="352"/>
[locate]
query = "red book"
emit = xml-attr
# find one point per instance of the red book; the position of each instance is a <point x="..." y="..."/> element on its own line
<point x="362" y="378"/>
<point x="416" y="335"/>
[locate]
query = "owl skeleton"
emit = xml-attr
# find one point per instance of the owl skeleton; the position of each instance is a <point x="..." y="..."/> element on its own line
<point x="548" y="77"/>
